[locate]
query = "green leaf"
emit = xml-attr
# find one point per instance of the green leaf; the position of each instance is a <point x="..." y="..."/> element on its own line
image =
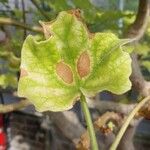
<point x="111" y="66"/>
<point x="55" y="71"/>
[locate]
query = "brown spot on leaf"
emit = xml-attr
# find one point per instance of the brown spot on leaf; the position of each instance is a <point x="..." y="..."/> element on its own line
<point x="46" y="29"/>
<point x="64" y="72"/>
<point x="91" y="35"/>
<point x="23" y="73"/>
<point x="76" y="12"/>
<point x="83" y="64"/>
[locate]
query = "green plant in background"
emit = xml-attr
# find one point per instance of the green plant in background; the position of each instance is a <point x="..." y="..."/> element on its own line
<point x="9" y="66"/>
<point x="71" y="64"/>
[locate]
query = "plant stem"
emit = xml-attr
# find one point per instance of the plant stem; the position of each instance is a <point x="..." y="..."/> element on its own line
<point x="88" y="119"/>
<point x="9" y="21"/>
<point x="127" y="121"/>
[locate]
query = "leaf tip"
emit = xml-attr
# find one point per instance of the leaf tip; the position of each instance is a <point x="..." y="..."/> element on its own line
<point x="23" y="73"/>
<point x="46" y="29"/>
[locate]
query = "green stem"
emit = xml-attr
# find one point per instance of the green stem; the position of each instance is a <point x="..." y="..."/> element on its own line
<point x="88" y="119"/>
<point x="127" y="122"/>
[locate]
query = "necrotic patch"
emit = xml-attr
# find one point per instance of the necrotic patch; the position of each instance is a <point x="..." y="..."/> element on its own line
<point x="83" y="64"/>
<point x="23" y="73"/>
<point x="64" y="72"/>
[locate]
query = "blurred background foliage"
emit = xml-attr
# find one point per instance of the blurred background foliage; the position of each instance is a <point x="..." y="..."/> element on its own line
<point x="100" y="16"/>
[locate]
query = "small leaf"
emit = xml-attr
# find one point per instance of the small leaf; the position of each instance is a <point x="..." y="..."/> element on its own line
<point x="70" y="61"/>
